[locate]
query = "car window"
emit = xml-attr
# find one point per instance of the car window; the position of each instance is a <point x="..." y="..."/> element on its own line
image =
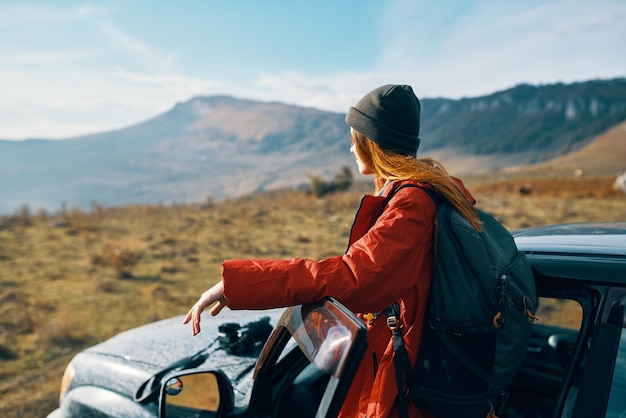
<point x="565" y="313"/>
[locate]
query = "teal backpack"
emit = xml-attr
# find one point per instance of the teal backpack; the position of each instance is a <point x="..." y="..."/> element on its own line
<point x="479" y="320"/>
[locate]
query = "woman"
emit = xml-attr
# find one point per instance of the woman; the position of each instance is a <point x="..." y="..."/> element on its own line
<point x="389" y="257"/>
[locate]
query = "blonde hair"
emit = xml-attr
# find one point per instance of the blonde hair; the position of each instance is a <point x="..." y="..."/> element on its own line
<point x="390" y="166"/>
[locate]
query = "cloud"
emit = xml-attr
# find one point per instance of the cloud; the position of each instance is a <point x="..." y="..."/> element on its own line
<point x="335" y="91"/>
<point x="81" y="101"/>
<point x="16" y="14"/>
<point x="58" y="92"/>
<point x="137" y="51"/>
<point x="168" y="86"/>
<point x="43" y="57"/>
<point x="70" y="70"/>
<point x="456" y="49"/>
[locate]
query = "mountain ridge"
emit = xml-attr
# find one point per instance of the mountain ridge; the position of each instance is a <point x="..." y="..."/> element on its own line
<point x="221" y="146"/>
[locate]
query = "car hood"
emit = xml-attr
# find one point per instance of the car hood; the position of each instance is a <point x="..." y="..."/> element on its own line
<point x="124" y="362"/>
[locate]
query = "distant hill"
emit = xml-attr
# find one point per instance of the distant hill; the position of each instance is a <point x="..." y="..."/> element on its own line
<point x="221" y="146"/>
<point x="551" y="120"/>
<point x="209" y="146"/>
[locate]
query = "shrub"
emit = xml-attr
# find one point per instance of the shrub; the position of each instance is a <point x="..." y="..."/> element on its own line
<point x="342" y="181"/>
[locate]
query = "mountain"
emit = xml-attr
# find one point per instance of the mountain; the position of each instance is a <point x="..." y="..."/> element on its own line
<point x="222" y="147"/>
<point x="522" y="125"/>
<point x="209" y="146"/>
<point x="604" y="156"/>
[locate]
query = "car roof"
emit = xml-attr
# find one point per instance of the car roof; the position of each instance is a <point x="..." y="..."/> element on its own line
<point x="591" y="252"/>
<point x="599" y="238"/>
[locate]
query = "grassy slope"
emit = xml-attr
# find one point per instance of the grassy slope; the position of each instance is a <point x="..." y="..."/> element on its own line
<point x="605" y="155"/>
<point x="72" y="280"/>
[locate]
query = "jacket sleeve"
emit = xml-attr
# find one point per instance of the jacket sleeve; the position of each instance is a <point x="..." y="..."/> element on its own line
<point x="377" y="269"/>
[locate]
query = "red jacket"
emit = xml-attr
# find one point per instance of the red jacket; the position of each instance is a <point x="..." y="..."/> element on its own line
<point x="389" y="259"/>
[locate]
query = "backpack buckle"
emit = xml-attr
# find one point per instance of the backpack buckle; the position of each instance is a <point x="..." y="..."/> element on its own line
<point x="528" y="310"/>
<point x="392" y="323"/>
<point x="370" y="317"/>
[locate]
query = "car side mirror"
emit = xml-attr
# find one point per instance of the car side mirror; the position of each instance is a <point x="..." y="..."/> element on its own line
<point x="196" y="394"/>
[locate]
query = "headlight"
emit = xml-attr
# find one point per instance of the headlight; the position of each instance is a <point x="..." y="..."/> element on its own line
<point x="66" y="381"/>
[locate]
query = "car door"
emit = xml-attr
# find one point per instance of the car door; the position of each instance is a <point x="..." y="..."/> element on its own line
<point x="576" y="360"/>
<point x="546" y="385"/>
<point x="308" y="363"/>
<point x="604" y="378"/>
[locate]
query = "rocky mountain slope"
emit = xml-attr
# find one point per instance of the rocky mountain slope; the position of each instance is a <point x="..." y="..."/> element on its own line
<point x="221" y="146"/>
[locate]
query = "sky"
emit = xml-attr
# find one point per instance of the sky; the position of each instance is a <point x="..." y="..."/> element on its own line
<point x="70" y="68"/>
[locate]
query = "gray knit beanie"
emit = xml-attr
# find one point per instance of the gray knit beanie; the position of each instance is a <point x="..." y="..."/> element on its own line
<point x="390" y="116"/>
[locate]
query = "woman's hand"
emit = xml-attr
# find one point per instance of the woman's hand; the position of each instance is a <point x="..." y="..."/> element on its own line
<point x="211" y="296"/>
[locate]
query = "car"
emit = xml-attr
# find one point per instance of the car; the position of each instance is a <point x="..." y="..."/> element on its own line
<point x="300" y="361"/>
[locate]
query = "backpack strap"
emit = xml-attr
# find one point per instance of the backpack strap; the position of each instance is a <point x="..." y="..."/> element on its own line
<point x="404" y="372"/>
<point x="400" y="358"/>
<point x="435" y="197"/>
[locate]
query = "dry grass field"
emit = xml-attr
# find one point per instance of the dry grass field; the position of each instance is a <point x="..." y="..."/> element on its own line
<point x="70" y="280"/>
